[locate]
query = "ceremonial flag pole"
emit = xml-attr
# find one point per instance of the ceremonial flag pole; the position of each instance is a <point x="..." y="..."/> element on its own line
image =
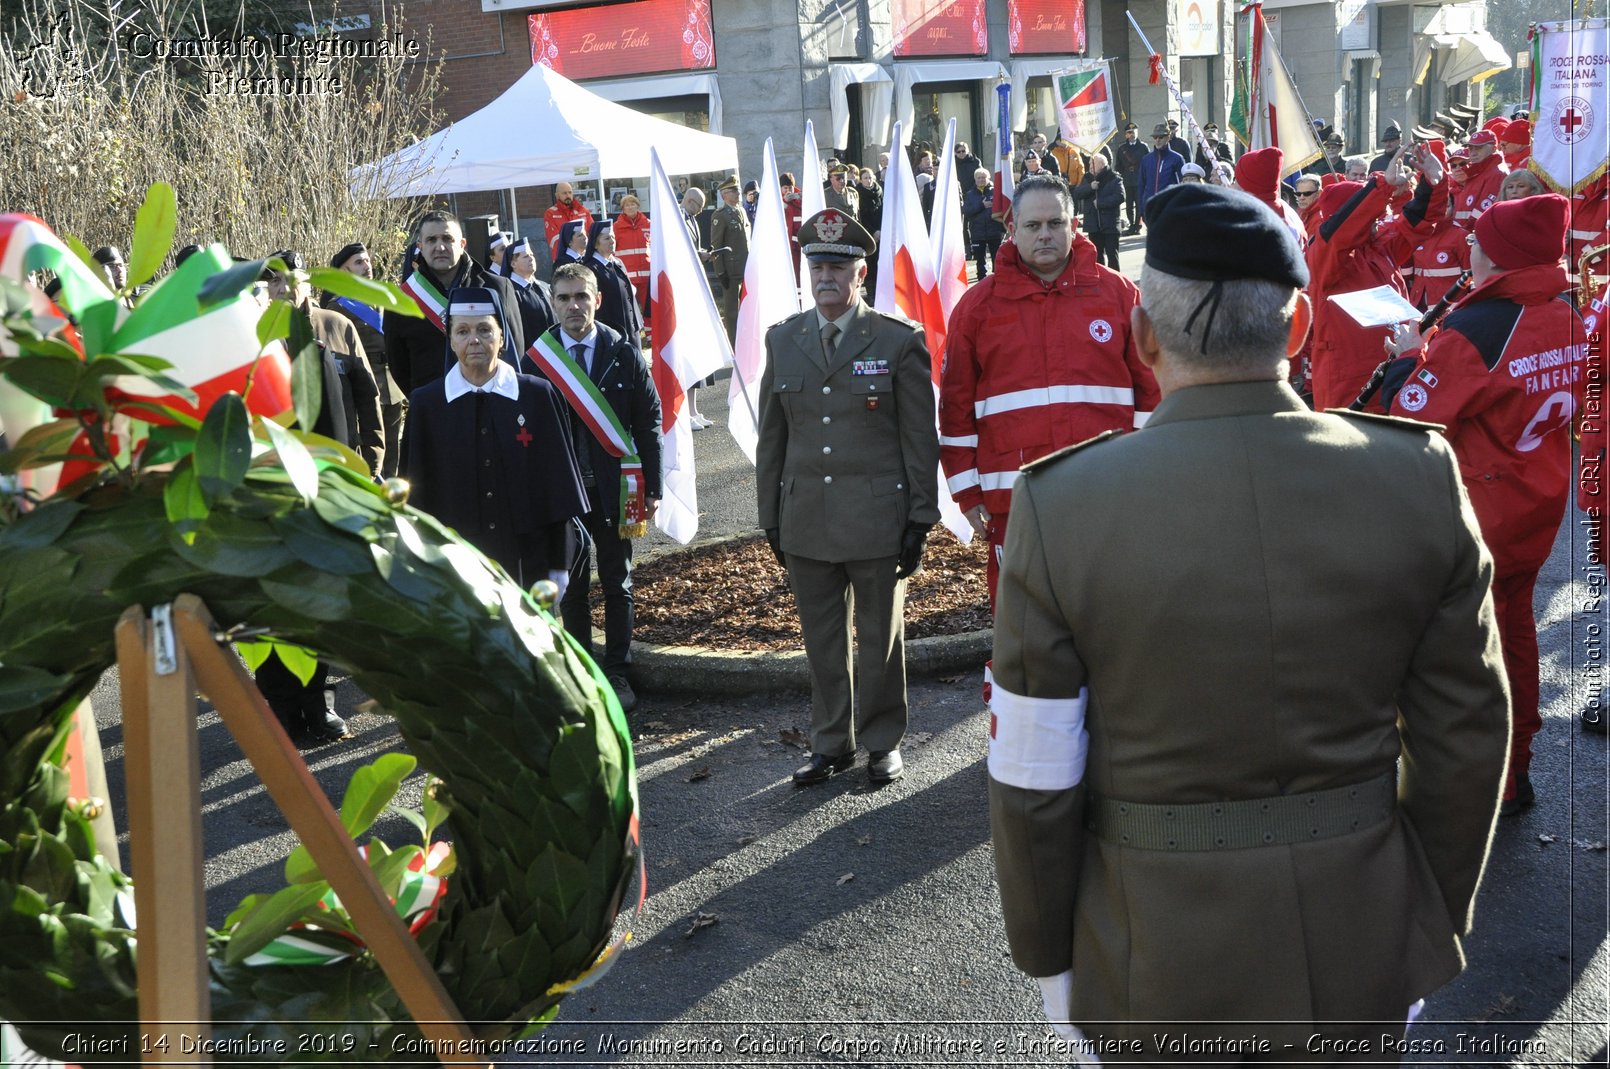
<point x="1159" y="70"/>
<point x="690" y="344"/>
<point x="770" y="295"/>
<point x="1001" y="205"/>
<point x="1266" y="111"/>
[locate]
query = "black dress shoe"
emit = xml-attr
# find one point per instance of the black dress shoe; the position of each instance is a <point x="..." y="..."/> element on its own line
<point x="821" y="767"/>
<point x="1524" y="798"/>
<point x="885" y="766"/>
<point x="1593" y="719"/>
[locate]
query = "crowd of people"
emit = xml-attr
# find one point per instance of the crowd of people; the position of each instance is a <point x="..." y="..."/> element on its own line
<point x="1416" y="473"/>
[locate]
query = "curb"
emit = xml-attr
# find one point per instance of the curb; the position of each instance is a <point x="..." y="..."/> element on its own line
<point x="698" y="670"/>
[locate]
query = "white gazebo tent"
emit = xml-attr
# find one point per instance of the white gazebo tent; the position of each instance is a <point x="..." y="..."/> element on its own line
<point x="544" y="128"/>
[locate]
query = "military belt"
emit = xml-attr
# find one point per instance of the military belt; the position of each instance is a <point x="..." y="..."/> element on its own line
<point x="1285" y="819"/>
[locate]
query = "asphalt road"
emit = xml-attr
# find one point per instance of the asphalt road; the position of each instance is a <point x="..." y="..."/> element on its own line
<point x="842" y="924"/>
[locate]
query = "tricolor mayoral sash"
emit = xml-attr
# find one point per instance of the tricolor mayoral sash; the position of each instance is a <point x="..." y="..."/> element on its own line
<point x="588" y="403"/>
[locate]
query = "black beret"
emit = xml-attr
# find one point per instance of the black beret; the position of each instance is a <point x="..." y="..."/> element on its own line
<point x="1220" y="235"/>
<point x="107" y="254"/>
<point x="294" y="261"/>
<point x="347" y="252"/>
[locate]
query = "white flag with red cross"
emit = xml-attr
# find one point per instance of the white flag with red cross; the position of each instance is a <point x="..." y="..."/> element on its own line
<point x="690" y="343"/>
<point x="908" y="285"/>
<point x="770" y="296"/>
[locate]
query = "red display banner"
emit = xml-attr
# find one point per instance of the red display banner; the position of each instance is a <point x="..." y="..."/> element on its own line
<point x="939" y="27"/>
<point x="642" y="37"/>
<point x="1038" y="27"/>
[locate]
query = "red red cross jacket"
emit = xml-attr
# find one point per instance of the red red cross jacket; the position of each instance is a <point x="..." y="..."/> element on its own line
<point x="1344" y="255"/>
<point x="1483" y="182"/>
<point x="1504" y="375"/>
<point x="1033" y="366"/>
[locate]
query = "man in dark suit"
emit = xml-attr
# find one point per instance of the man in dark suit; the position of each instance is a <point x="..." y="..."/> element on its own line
<point x="1245" y="778"/>
<point x="490" y="453"/>
<point x="847" y="475"/>
<point x="415" y="347"/>
<point x="618" y="509"/>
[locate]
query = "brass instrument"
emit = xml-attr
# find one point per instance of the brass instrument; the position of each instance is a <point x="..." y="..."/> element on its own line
<point x="1585" y="277"/>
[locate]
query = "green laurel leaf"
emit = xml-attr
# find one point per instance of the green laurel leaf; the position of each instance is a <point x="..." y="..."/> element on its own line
<point x="154" y="225"/>
<point x="223" y="449"/>
<point x="269" y="919"/>
<point x="375" y="292"/>
<point x="186" y="506"/>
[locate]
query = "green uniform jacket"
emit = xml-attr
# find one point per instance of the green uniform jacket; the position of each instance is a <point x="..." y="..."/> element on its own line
<point x="1255" y="600"/>
<point x="848" y="454"/>
<point x="729" y="229"/>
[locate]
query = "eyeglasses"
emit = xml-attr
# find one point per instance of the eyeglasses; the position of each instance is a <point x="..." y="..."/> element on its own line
<point x="1306" y="192"/>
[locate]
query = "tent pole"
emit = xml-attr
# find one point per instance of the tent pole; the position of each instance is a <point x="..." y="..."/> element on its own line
<point x="514" y="215"/>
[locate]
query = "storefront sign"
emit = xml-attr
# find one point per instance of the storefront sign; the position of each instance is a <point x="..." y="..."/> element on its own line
<point x="642" y="37"/>
<point x="1040" y="27"/>
<point x="1196" y="25"/>
<point x="939" y="27"/>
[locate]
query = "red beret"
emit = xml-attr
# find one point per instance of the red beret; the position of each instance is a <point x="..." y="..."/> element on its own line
<point x="1258" y="172"/>
<point x="1496" y="124"/>
<point x="1482" y="137"/>
<point x="1518" y="132"/>
<point x="1525" y="232"/>
<point x="1337" y="194"/>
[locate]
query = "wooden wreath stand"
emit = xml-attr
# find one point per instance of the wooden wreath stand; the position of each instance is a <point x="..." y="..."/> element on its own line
<point x="163" y="662"/>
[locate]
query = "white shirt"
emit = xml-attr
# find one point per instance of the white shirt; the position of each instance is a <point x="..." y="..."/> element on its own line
<point x="590" y="341"/>
<point x="503" y="382"/>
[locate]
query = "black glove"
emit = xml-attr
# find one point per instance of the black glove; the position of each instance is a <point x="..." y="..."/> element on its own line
<point x="774" y="539"/>
<point x="912" y="543"/>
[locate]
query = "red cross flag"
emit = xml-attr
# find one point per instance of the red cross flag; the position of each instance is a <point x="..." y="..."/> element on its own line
<point x="1570" y="99"/>
<point x="907" y="283"/>
<point x="770" y="295"/>
<point x="689" y="344"/>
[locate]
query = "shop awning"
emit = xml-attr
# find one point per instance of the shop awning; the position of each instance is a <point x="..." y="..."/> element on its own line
<point x="877" y="97"/>
<point x="1470" y="57"/>
<point x="1022" y="71"/>
<point x="907" y="75"/>
<point x="621" y="90"/>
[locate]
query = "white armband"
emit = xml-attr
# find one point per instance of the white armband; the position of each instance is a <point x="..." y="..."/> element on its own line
<point x="1038" y="744"/>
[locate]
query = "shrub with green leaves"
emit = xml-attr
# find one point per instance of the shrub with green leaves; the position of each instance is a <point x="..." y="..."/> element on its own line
<point x="283" y="533"/>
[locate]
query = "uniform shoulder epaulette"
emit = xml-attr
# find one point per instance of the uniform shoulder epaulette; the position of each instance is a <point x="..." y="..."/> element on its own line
<point x="896" y="316"/>
<point x="1402" y="423"/>
<point x="1069" y="450"/>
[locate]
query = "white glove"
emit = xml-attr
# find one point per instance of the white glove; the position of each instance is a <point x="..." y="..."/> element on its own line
<point x="1056" y="994"/>
<point x="561" y="579"/>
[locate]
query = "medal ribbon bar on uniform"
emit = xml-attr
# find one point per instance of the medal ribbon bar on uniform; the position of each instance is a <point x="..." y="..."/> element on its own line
<point x="588" y="403"/>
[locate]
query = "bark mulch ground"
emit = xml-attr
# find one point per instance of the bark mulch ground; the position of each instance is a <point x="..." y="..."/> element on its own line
<point x="733" y="596"/>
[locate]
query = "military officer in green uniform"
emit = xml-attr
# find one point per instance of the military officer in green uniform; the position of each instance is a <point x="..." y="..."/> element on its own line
<point x="729" y="252"/>
<point x="1249" y="721"/>
<point x="847" y="476"/>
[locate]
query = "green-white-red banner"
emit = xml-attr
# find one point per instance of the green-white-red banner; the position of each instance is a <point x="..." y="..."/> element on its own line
<point x="1084" y="93"/>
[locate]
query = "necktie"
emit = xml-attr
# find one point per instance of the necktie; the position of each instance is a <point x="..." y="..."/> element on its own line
<point x="830" y="338"/>
<point x="579" y="352"/>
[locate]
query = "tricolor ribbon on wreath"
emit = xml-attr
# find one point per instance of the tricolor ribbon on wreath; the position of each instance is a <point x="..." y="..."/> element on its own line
<point x="209" y="350"/>
<point x="416" y="903"/>
<point x="589" y="404"/>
